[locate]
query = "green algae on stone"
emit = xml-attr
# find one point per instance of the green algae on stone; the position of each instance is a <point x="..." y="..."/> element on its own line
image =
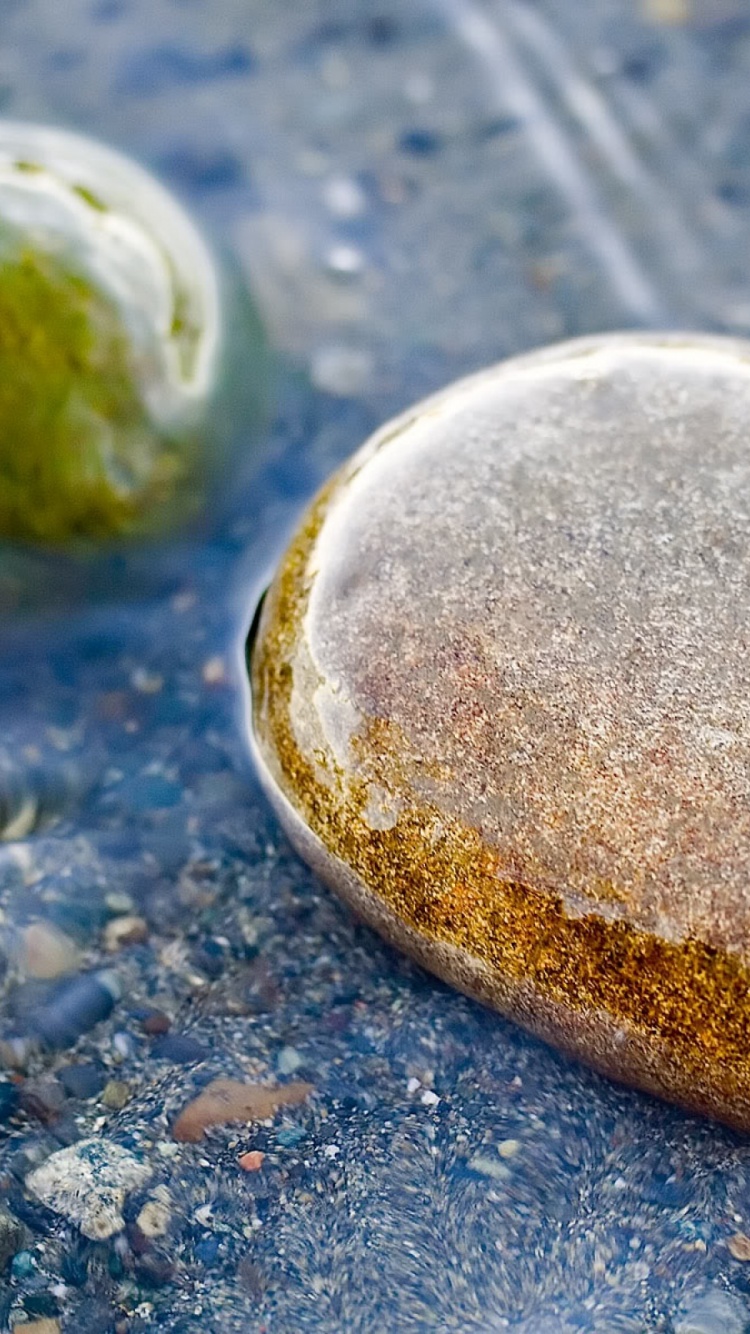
<point x="500" y="692"/>
<point x="79" y="457"/>
<point x="113" y="373"/>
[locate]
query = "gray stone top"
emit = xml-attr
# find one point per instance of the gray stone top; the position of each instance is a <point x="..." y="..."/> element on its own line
<point x="541" y="578"/>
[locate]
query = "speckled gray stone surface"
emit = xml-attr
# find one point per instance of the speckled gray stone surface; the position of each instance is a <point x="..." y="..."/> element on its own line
<point x="540" y="578"/>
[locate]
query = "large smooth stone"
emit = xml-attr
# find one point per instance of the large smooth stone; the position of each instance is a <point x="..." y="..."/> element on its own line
<point x="501" y="700"/>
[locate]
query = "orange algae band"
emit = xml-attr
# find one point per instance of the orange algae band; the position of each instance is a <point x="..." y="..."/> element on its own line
<point x="501" y="700"/>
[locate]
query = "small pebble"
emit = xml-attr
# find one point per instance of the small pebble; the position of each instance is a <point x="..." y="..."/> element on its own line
<point x="116" y="1094"/>
<point x="41" y="1303"/>
<point x="345" y="261"/>
<point x="342" y="371"/>
<point x="147" y="683"/>
<point x="155" y="1023"/>
<point x="87" y="1183"/>
<point x="43" y="1098"/>
<point x="23" y="1266"/>
<point x="667" y="12"/>
<point x="119" y="903"/>
<point x="251" y="1161"/>
<point x="289" y="1136"/>
<point x="488" y="1167"/>
<point x="226" y="1100"/>
<point x="288" y="1061"/>
<point x="76" y="1007"/>
<point x="122" y="931"/>
<point x="123" y="1046"/>
<point x="508" y="1148"/>
<point x="13" y="1236"/>
<point x="82" y="1081"/>
<point x="156" y="1215"/>
<point x="179" y="1049"/>
<point x="214" y="671"/>
<point x="344" y="197"/>
<point x="48" y="952"/>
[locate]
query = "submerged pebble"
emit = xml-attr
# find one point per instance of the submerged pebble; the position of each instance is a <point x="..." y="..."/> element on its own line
<point x="87" y="1183"/>
<point x="76" y="1007"/>
<point x="500" y="700"/>
<point x="224" y="1101"/>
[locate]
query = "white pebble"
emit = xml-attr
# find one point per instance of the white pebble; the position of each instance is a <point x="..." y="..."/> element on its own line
<point x="288" y="1060"/>
<point x="345" y="261"/>
<point x="344" y="197"/>
<point x="87" y="1184"/>
<point x="343" y="371"/>
<point x="508" y="1148"/>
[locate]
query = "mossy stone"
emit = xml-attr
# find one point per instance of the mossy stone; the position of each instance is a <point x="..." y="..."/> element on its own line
<point x="501" y="700"/>
<point x="119" y="392"/>
<point x="80" y="456"/>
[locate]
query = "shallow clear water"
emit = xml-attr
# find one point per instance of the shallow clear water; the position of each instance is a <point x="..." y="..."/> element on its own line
<point x="410" y="192"/>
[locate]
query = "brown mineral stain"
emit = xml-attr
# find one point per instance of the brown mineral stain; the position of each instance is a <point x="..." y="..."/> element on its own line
<point x="226" y="1100"/>
<point x="739" y="1246"/>
<point x="518" y="616"/>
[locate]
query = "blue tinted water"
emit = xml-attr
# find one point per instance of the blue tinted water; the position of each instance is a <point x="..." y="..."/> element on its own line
<point x="409" y="191"/>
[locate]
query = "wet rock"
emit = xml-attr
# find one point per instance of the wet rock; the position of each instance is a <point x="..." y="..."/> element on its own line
<point x="76" y="1007"/>
<point x="42" y="1304"/>
<point x="43" y="1098"/>
<point x="226" y="1100"/>
<point x="48" y="952"/>
<point x="116" y="1094"/>
<point x="88" y="1183"/>
<point x="122" y="931"/>
<point x="156" y="1215"/>
<point x="252" y="1161"/>
<point x="13" y="1236"/>
<point x="288" y="1061"/>
<point x="180" y="1049"/>
<point x="23" y="1266"/>
<point x="82" y="1081"/>
<point x="155" y="1022"/>
<point x="500" y="688"/>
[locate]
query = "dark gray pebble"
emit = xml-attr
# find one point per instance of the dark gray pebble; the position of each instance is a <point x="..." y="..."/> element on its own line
<point x="12" y="1237"/>
<point x="8" y="1099"/>
<point x="41" y="1305"/>
<point x="82" y="1081"/>
<point x="42" y="1099"/>
<point x="179" y="1049"/>
<point x="75" y="1008"/>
